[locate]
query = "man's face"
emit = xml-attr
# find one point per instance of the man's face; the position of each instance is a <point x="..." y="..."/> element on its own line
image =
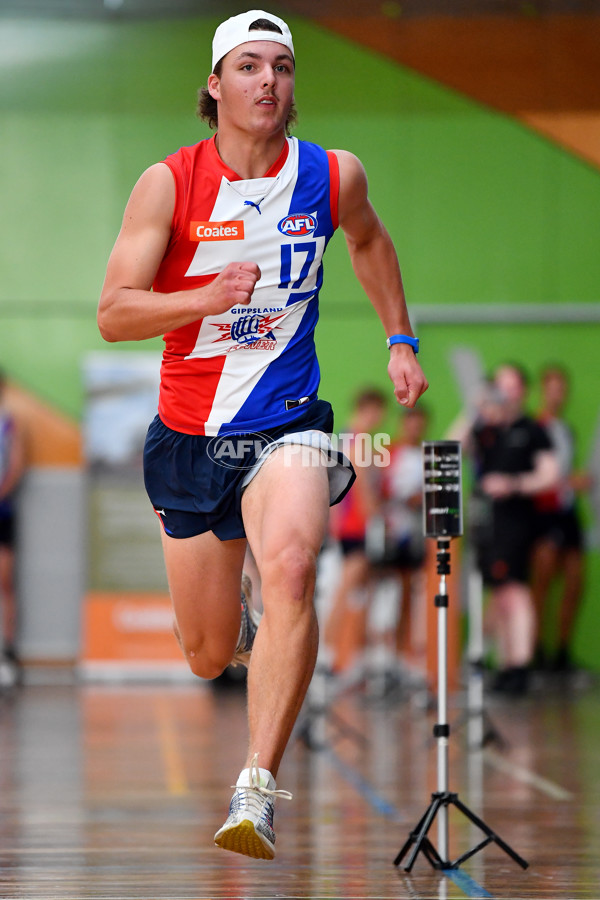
<point x="511" y="386"/>
<point x="555" y="390"/>
<point x="414" y="426"/>
<point x="256" y="87"/>
<point x="371" y="415"/>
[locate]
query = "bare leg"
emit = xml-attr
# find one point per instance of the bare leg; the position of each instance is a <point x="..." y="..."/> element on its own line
<point x="7" y="596"/>
<point x="544" y="565"/>
<point x="204" y="577"/>
<point x="515" y="617"/>
<point x="404" y="623"/>
<point x="571" y="598"/>
<point x="285" y="510"/>
<point x="345" y="631"/>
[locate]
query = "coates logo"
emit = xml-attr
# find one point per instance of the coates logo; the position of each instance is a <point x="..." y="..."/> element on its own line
<point x="298" y="225"/>
<point x="216" y="231"/>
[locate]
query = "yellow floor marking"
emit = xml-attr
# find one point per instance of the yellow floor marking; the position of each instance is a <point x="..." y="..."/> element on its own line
<point x="170" y="749"/>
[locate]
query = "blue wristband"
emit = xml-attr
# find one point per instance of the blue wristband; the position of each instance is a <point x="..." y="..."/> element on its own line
<point x="403" y="339"/>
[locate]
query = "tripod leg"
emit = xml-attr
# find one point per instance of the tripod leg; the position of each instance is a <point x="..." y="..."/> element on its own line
<point x="419" y="838"/>
<point x="412" y="837"/>
<point x="487" y="830"/>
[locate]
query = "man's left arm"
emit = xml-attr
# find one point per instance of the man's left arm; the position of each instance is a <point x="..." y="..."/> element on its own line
<point x="375" y="264"/>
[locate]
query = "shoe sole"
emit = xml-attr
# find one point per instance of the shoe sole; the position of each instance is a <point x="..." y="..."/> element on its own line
<point x="244" y="839"/>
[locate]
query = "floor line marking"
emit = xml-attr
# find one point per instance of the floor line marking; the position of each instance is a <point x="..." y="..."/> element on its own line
<point x="353" y="777"/>
<point x="526" y="776"/>
<point x="467" y="884"/>
<point x="176" y="780"/>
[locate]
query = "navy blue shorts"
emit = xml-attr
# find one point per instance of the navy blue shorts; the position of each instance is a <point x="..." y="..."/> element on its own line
<point x="7" y="530"/>
<point x="195" y="483"/>
<point x="504" y="553"/>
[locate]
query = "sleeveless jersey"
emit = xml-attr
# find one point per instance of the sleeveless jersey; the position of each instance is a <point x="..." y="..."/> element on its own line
<point x="234" y="372"/>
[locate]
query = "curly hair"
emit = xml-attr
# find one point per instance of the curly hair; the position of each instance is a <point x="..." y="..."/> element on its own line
<point x="207" y="108"/>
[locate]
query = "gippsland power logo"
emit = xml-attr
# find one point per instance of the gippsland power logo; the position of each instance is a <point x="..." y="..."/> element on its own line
<point x="252" y="331"/>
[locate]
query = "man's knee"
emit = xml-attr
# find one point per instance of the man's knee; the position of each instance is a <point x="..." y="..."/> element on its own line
<point x="293" y="569"/>
<point x="205" y="666"/>
<point x="205" y="660"/>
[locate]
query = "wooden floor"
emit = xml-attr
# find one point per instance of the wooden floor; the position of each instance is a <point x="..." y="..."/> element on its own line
<point x="115" y="792"/>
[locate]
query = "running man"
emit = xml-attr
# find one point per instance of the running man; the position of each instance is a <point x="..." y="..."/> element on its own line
<point x="220" y="251"/>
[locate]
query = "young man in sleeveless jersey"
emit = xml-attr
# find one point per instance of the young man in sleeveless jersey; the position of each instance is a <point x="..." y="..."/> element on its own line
<point x="220" y="251"/>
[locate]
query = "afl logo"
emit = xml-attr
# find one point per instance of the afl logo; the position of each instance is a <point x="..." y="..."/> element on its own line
<point x="298" y="225"/>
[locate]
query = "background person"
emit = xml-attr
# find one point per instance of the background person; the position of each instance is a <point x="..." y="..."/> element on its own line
<point x="559" y="548"/>
<point x="12" y="462"/>
<point x="513" y="461"/>
<point x="404" y="517"/>
<point x="345" y="628"/>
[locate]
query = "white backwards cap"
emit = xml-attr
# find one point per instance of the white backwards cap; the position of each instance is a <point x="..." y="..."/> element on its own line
<point x="236" y="31"/>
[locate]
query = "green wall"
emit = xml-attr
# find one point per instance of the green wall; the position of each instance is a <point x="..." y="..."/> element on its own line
<point x="482" y="210"/>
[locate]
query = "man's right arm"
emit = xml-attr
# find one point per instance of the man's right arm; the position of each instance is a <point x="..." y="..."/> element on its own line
<point x="129" y="310"/>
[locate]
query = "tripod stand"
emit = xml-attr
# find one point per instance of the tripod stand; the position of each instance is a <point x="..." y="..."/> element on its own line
<point x="443" y="798"/>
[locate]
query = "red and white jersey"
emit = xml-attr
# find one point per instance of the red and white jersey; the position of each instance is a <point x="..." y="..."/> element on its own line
<point x="562" y="497"/>
<point x="233" y="372"/>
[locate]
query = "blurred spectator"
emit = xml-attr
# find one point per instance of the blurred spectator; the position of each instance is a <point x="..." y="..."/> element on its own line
<point x="513" y="461"/>
<point x="346" y="623"/>
<point x="405" y="541"/>
<point x="11" y="469"/>
<point x="559" y="547"/>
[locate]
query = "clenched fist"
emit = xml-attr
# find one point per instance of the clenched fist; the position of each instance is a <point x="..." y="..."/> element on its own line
<point x="233" y="286"/>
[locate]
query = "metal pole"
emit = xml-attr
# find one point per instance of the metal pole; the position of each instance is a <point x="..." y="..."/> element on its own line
<point x="442" y="729"/>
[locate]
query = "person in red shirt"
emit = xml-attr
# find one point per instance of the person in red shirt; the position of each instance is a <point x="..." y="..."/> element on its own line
<point x="404" y="513"/>
<point x="559" y="549"/>
<point x="345" y="630"/>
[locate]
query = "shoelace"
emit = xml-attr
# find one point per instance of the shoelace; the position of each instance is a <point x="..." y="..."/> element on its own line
<point x="255" y="784"/>
<point x="247" y="626"/>
<point x="247" y="630"/>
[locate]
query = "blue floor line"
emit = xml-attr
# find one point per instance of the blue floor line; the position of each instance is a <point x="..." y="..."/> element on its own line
<point x="368" y="792"/>
<point x="467" y="884"/>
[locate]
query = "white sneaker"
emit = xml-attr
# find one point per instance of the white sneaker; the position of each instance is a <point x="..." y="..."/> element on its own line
<point x="248" y="625"/>
<point x="249" y="826"/>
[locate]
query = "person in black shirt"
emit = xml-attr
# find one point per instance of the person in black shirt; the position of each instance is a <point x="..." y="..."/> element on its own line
<point x="513" y="461"/>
